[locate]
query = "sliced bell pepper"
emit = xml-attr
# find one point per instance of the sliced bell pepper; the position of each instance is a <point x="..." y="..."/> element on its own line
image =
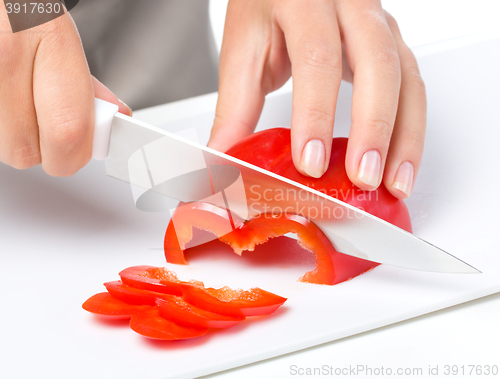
<point x="136" y="296"/>
<point x="157" y="314"/>
<point x="175" y="309"/>
<point x="147" y="283"/>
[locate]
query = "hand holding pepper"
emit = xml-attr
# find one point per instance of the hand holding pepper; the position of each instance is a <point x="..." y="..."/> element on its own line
<point x="319" y="43"/>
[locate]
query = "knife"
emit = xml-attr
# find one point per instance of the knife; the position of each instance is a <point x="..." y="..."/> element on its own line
<point x="179" y="168"/>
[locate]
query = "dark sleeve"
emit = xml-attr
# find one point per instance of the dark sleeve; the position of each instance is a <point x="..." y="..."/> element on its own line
<point x="149" y="52"/>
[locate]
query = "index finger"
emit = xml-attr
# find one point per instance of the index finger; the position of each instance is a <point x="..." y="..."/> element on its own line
<point x="64" y="97"/>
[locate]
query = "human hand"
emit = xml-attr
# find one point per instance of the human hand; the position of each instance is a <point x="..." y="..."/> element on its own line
<point x="319" y="42"/>
<point x="47" y="97"/>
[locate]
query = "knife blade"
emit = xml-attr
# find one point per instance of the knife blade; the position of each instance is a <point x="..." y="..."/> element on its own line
<point x="179" y="168"/>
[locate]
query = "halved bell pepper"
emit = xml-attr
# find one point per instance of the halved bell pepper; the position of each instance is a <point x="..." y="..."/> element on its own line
<point x="270" y="149"/>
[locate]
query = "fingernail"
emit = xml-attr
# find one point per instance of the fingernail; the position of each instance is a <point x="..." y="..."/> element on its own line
<point x="313" y="158"/>
<point x="369" y="168"/>
<point x="404" y="178"/>
<point x="128" y="108"/>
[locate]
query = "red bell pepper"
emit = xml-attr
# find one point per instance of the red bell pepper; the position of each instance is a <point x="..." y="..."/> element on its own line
<point x="145" y="284"/>
<point x="270" y="149"/>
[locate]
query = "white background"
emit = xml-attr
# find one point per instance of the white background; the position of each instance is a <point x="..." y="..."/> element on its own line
<point x="57" y="339"/>
<point x="467" y="334"/>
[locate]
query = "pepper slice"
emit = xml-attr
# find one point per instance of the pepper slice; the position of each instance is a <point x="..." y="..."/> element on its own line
<point x="175" y="309"/>
<point x="254" y="302"/>
<point x="105" y="305"/>
<point x="132" y="295"/>
<point x="200" y="298"/>
<point x="158" y="279"/>
<point x="180" y="229"/>
<point x="229" y="302"/>
<point x="150" y="324"/>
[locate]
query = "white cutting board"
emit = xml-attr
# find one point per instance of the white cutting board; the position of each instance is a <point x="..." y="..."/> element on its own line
<point x="62" y="238"/>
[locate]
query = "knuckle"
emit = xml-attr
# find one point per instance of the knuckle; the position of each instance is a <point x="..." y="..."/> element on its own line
<point x="379" y="127"/>
<point x="67" y="136"/>
<point x="67" y="131"/>
<point x="415" y="80"/>
<point x="8" y="45"/>
<point x="391" y="21"/>
<point x="317" y="114"/>
<point x="415" y="139"/>
<point x="322" y="59"/>
<point x="410" y="72"/>
<point x="383" y="53"/>
<point x="25" y="157"/>
<point x="387" y="58"/>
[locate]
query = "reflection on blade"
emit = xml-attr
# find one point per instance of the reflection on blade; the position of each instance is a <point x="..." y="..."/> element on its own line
<point x="154" y="160"/>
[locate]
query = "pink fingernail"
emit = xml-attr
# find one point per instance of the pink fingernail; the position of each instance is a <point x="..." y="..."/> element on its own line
<point x="313" y="158"/>
<point x="128" y="108"/>
<point x="369" y="168"/>
<point x="404" y="178"/>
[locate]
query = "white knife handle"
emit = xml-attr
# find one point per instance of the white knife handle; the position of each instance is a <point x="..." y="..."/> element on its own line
<point x="104" y="113"/>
